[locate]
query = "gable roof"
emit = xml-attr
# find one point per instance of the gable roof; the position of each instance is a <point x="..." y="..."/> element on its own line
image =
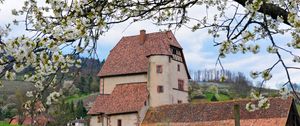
<point x="129" y="56"/>
<point x="125" y="98"/>
<point x="219" y="113"/>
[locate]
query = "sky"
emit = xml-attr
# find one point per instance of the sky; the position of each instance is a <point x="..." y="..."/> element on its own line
<point x="197" y="46"/>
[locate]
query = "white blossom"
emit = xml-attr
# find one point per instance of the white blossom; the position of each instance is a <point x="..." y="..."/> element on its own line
<point x="284" y="93"/>
<point x="10" y="75"/>
<point x="29" y="94"/>
<point x="266" y="75"/>
<point x="254" y="74"/>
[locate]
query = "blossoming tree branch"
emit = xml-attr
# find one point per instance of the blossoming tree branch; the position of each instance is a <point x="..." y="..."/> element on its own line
<point x="77" y="24"/>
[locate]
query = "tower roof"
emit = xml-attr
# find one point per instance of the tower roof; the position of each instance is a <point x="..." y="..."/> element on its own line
<point x="129" y="56"/>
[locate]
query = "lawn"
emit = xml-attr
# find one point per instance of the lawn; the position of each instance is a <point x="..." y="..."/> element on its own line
<point x="2" y="123"/>
<point x="76" y="97"/>
<point x="220" y="97"/>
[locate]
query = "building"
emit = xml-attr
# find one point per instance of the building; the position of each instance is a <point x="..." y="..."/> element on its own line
<point x="78" y="122"/>
<point x="142" y="71"/>
<point x="144" y="82"/>
<point x="281" y="113"/>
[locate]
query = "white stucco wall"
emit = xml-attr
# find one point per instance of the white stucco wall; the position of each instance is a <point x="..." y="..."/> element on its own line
<point x="142" y="113"/>
<point x="111" y="82"/>
<point x="155" y="79"/>
<point x="168" y="79"/>
<point x="127" y="119"/>
<point x="173" y="78"/>
<point x="94" y="121"/>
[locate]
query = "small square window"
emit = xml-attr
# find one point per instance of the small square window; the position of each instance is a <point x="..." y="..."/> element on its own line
<point x="160" y="89"/>
<point x="119" y="122"/>
<point x="179" y="101"/>
<point x="178" y="67"/>
<point x="159" y="69"/>
<point x="180" y="85"/>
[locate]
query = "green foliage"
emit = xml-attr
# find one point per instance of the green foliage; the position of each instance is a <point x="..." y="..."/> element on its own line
<point x="220" y="97"/>
<point x="80" y="110"/>
<point x="3" y="123"/>
<point x="1" y="114"/>
<point x="213" y="89"/>
<point x="76" y="97"/>
<point x="62" y="113"/>
<point x="65" y="112"/>
<point x="214" y="98"/>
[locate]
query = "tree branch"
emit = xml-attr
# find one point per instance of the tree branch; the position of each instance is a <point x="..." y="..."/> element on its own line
<point x="273" y="10"/>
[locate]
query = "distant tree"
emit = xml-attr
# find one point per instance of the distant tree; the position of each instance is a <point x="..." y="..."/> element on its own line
<point x="213" y="89"/>
<point x="80" y="110"/>
<point x="1" y="114"/>
<point x="214" y="98"/>
<point x="71" y="107"/>
<point x="21" y="99"/>
<point x="95" y="85"/>
<point x="89" y="83"/>
<point x="83" y="86"/>
<point x="62" y="113"/>
<point x="194" y="90"/>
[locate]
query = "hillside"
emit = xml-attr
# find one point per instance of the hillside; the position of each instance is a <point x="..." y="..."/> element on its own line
<point x="9" y="87"/>
<point x="205" y="91"/>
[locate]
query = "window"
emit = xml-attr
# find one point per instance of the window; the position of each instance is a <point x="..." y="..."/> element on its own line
<point x="174" y="51"/>
<point x="119" y="122"/>
<point x="178" y="67"/>
<point x="179" y="101"/>
<point x="145" y="103"/>
<point x="159" y="69"/>
<point x="100" y="118"/>
<point x="160" y="89"/>
<point x="180" y="85"/>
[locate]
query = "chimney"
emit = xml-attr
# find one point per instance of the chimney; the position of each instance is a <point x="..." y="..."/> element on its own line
<point x="143" y="36"/>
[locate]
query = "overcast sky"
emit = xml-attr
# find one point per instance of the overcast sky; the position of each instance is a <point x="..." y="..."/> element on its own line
<point x="197" y="46"/>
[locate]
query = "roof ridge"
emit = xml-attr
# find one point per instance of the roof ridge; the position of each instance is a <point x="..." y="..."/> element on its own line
<point x="147" y="33"/>
<point x="222" y="102"/>
<point x="132" y="83"/>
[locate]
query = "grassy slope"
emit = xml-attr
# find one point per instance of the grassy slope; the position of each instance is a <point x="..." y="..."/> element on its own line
<point x="232" y="92"/>
<point x="220" y="97"/>
<point x="76" y="97"/>
<point x="2" y="123"/>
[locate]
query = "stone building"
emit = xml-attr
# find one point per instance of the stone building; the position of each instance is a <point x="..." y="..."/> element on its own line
<point x="144" y="82"/>
<point x="142" y="71"/>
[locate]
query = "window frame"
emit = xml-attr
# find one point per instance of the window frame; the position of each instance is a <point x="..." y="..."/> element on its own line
<point x="179" y="101"/>
<point x="119" y="123"/>
<point x="159" y="69"/>
<point x="100" y="119"/>
<point x="160" y="89"/>
<point x="180" y="85"/>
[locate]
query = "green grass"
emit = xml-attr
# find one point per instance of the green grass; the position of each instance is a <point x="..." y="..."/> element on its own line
<point x="298" y="107"/>
<point x="220" y="97"/>
<point x="76" y="97"/>
<point x="3" y="123"/>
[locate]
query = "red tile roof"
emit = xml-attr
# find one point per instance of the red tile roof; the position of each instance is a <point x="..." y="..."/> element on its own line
<point x="219" y="113"/>
<point x="129" y="56"/>
<point x="124" y="98"/>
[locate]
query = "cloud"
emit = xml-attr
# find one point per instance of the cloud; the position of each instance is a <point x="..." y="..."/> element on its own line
<point x="197" y="46"/>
